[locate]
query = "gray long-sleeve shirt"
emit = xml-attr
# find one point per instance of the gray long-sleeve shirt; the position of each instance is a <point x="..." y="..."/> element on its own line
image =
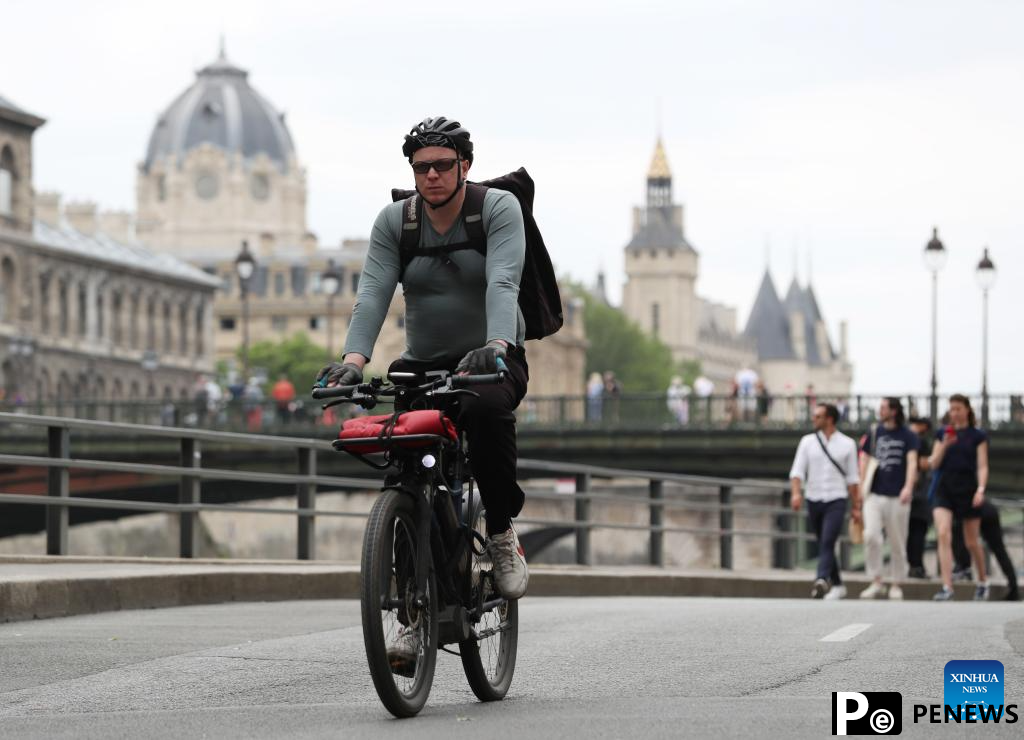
<point x="448" y="312"/>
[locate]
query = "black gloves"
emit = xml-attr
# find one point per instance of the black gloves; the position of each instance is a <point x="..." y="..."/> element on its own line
<point x="338" y="374"/>
<point x="482" y="361"/>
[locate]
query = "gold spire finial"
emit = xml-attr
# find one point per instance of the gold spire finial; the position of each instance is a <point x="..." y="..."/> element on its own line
<point x="659" y="164"/>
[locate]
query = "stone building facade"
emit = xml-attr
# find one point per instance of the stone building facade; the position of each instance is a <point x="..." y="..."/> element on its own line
<point x="785" y="341"/>
<point x="221" y="168"/>
<point x="660" y="294"/>
<point x="83" y="315"/>
<point x="793" y="345"/>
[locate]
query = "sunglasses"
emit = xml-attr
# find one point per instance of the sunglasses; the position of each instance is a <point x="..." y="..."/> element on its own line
<point x="439" y="165"/>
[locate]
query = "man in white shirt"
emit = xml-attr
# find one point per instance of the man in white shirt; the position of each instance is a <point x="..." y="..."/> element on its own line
<point x="826" y="461"/>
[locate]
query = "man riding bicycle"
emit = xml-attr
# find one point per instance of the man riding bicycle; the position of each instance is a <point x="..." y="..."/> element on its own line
<point x="461" y="314"/>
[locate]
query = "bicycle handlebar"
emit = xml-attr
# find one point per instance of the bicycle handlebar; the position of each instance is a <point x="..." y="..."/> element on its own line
<point x="337" y="391"/>
<point x="375" y="389"/>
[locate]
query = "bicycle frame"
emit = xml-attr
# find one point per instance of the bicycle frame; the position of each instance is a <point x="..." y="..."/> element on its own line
<point x="434" y="476"/>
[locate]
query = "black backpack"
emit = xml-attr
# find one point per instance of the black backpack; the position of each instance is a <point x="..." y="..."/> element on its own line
<point x="539" y="299"/>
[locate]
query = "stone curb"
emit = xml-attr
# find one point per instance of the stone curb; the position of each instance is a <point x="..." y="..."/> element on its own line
<point x="65" y="593"/>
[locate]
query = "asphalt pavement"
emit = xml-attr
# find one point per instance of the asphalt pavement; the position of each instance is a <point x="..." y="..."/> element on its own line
<point x="588" y="667"/>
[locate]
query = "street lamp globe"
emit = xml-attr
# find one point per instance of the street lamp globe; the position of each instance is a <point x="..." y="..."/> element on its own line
<point x="330" y="281"/>
<point x="985" y="273"/>
<point x="245" y="263"/>
<point x="935" y="254"/>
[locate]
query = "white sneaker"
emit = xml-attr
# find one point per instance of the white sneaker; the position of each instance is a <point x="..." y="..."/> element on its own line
<point x="875" y="591"/>
<point x="404" y="651"/>
<point x="895" y="593"/>
<point x="835" y="593"/>
<point x="509" y="560"/>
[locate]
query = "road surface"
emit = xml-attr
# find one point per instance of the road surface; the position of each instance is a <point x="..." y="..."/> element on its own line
<point x="588" y="667"/>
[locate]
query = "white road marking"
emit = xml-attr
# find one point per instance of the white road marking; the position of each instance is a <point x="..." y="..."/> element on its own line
<point x="845" y="633"/>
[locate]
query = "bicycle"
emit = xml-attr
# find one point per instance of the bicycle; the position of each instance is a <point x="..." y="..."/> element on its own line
<point x="444" y="592"/>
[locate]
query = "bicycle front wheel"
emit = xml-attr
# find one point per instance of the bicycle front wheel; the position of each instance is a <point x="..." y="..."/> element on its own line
<point x="489" y="655"/>
<point x="400" y="636"/>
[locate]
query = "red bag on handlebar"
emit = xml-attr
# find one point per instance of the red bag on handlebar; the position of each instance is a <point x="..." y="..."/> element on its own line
<point x="389" y="431"/>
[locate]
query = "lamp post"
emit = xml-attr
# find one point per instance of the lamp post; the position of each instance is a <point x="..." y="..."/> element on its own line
<point x="985" y="274"/>
<point x="245" y="265"/>
<point x="330" y="282"/>
<point x="935" y="259"/>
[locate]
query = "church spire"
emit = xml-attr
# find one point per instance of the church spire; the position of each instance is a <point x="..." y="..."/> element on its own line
<point x="659" y="169"/>
<point x="659" y="179"/>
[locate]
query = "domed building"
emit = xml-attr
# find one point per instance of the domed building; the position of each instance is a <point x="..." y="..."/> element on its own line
<point x="220" y="167"/>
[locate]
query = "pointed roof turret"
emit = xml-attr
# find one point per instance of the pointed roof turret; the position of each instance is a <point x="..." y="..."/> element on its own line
<point x="768" y="325"/>
<point x="659" y="169"/>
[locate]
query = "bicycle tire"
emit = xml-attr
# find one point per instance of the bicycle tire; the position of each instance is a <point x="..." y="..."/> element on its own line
<point x="489" y="667"/>
<point x="393" y="520"/>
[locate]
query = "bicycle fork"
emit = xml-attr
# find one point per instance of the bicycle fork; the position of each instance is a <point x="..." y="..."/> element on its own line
<point x="424" y="514"/>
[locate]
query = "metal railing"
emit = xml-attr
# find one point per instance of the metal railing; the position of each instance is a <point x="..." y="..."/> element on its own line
<point x="629" y="410"/>
<point x="785" y="534"/>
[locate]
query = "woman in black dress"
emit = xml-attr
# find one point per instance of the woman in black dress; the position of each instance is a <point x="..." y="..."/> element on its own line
<point x="960" y="456"/>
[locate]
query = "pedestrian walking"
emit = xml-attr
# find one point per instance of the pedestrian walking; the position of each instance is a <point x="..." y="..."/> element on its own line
<point x="890" y="449"/>
<point x="992" y="534"/>
<point x="283" y="394"/>
<point x="920" y="507"/>
<point x="677" y="399"/>
<point x="826" y="462"/>
<point x="612" y="395"/>
<point x="595" y="393"/>
<point x="764" y="402"/>
<point x="960" y="456"/>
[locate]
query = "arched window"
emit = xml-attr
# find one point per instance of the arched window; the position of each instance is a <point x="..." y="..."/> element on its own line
<point x="44" y="303"/>
<point x="99" y="314"/>
<point x="133" y="321"/>
<point x="151" y="324"/>
<point x="8" y="284"/>
<point x="183" y="330"/>
<point x="116" y="329"/>
<point x="167" y="328"/>
<point x="83" y="310"/>
<point x="65" y="311"/>
<point x="200" y="321"/>
<point x="8" y="178"/>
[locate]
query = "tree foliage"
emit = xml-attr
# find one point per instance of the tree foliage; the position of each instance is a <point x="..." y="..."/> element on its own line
<point x="641" y="363"/>
<point x="296" y="357"/>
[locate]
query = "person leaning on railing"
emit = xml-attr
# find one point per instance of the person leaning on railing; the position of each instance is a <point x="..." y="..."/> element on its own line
<point x="826" y="461"/>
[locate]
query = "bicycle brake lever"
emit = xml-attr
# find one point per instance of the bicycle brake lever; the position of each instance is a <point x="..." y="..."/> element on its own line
<point x="456" y="392"/>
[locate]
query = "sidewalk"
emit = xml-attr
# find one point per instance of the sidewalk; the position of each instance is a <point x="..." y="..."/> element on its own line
<point x="45" y="587"/>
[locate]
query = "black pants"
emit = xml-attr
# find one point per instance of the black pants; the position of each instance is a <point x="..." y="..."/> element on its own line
<point x="917" y="532"/>
<point x="826" y="521"/>
<point x="490" y="427"/>
<point x="992" y="534"/>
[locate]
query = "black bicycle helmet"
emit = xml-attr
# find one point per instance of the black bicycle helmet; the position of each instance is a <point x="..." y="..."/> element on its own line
<point x="439" y="131"/>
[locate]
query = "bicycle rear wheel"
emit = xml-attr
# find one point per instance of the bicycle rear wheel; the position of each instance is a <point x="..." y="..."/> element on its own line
<point x="489" y="656"/>
<point x="388" y="584"/>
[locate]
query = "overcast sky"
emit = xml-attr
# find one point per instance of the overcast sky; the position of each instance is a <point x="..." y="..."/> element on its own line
<point x="826" y="136"/>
